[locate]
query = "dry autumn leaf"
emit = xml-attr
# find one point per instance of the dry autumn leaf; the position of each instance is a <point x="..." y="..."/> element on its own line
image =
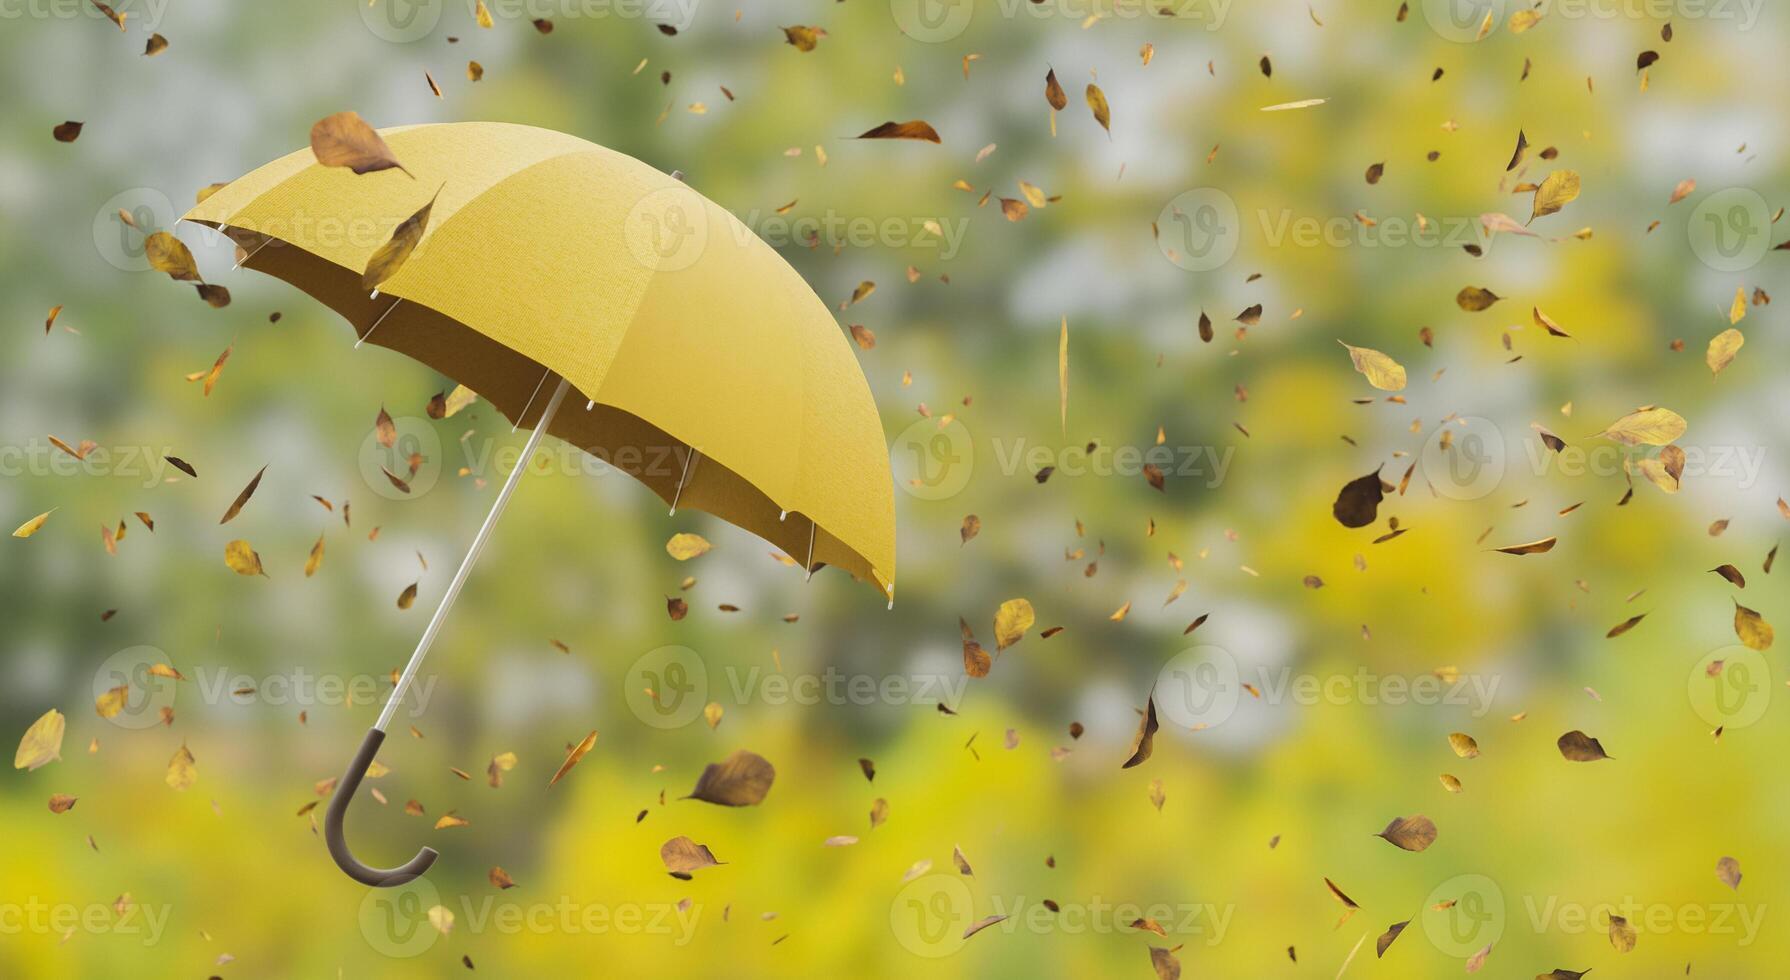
<point x="346" y="140"/>
<point x="741" y="779"/>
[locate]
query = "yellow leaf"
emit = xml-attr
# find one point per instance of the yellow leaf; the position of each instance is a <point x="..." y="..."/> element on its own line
<point x="316" y="559"/>
<point x="1103" y="113"/>
<point x="1737" y="312"/>
<point x="32" y="526"/>
<point x="111" y="702"/>
<point x="1011" y="622"/>
<point x="1560" y="189"/>
<point x="1380" y="371"/>
<point x="1752" y="628"/>
<point x="42" y="743"/>
<point x="241" y="558"/>
<point x="182" y="772"/>
<point x="1649" y="426"/>
<point x="391" y="256"/>
<point x="684" y="547"/>
<point x="1722" y="348"/>
<point x="440" y="916"/>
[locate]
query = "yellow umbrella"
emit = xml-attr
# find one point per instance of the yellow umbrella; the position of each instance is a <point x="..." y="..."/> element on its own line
<point x="550" y="264"/>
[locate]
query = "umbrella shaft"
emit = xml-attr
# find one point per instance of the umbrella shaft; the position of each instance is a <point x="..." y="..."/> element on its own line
<point x="472" y="555"/>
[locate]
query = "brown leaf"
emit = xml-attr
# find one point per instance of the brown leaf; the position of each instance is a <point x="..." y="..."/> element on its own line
<point x="1053" y="92"/>
<point x="577" y="752"/>
<point x="1728" y="871"/>
<point x="741" y="779"/>
<point x="346" y="140"/>
<point x="1386" y="939"/>
<point x="914" y="129"/>
<point x="242" y="498"/>
<point x="1143" y="743"/>
<point x="1541" y="547"/>
<point x="67" y="132"/>
<point x="1358" y="504"/>
<point x="1409" y="833"/>
<point x="1476" y="299"/>
<point x="390" y="257"/>
<point x="1576" y="746"/>
<point x="681" y="854"/>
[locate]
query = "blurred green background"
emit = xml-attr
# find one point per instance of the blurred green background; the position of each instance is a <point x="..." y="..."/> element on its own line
<point x="1281" y="791"/>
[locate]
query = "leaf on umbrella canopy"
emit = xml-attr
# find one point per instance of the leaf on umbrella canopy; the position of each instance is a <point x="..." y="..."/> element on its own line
<point x="1380" y="370"/>
<point x="913" y="129"/>
<point x="577" y="752"/>
<point x="742" y="779"/>
<point x="1576" y="746"/>
<point x="391" y="256"/>
<point x="242" y="559"/>
<point x="346" y="140"/>
<point x="170" y="255"/>
<point x="1752" y="628"/>
<point x="1011" y="622"/>
<point x="1409" y="833"/>
<point x="35" y="524"/>
<point x="681" y="854"/>
<point x="1358" y="503"/>
<point x="42" y="742"/>
<point x="243" y="497"/>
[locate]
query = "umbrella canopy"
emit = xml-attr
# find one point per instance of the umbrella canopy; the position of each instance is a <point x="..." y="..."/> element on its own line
<point x="709" y="369"/>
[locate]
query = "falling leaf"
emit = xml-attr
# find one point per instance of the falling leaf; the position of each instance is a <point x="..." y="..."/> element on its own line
<point x="1752" y="628"/>
<point x="1722" y="348"/>
<point x="573" y="756"/>
<point x="681" y="854"/>
<point x="1380" y="371"/>
<point x="742" y="779"/>
<point x="1541" y="547"/>
<point x="915" y="129"/>
<point x="1386" y="939"/>
<point x="1557" y="191"/>
<point x="685" y="546"/>
<point x="241" y="558"/>
<point x="1143" y="742"/>
<point x="1475" y="299"/>
<point x="62" y="803"/>
<point x="168" y="254"/>
<point x="803" y="38"/>
<point x="33" y="525"/>
<point x="243" y="497"/>
<point x="1103" y="113"/>
<point x="1622" y="935"/>
<point x="1728" y="871"/>
<point x="1464" y="745"/>
<point x="182" y="770"/>
<point x="346" y="140"/>
<point x="67" y="132"/>
<point x="390" y="257"/>
<point x="407" y="598"/>
<point x="1647" y="426"/>
<point x="1624" y="626"/>
<point x="1358" y="504"/>
<point x="1576" y="746"/>
<point x="1053" y="92"/>
<point x="315" y="560"/>
<point x="972" y="526"/>
<point x="1011" y="622"/>
<point x="42" y="742"/>
<point x="1409" y="833"/>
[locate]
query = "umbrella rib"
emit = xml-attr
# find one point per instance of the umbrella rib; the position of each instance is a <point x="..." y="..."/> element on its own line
<point x="531" y="400"/>
<point x="388" y="312"/>
<point x="675" y="497"/>
<point x="472" y="555"/>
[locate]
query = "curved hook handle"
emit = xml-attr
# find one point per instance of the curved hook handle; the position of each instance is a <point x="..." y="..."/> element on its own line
<point x="338" y="811"/>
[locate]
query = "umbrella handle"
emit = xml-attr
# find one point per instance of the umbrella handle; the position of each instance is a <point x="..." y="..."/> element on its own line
<point x="338" y="812"/>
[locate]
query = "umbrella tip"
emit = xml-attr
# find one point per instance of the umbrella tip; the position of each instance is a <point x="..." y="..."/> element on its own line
<point x="782" y="514"/>
<point x="677" y="175"/>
